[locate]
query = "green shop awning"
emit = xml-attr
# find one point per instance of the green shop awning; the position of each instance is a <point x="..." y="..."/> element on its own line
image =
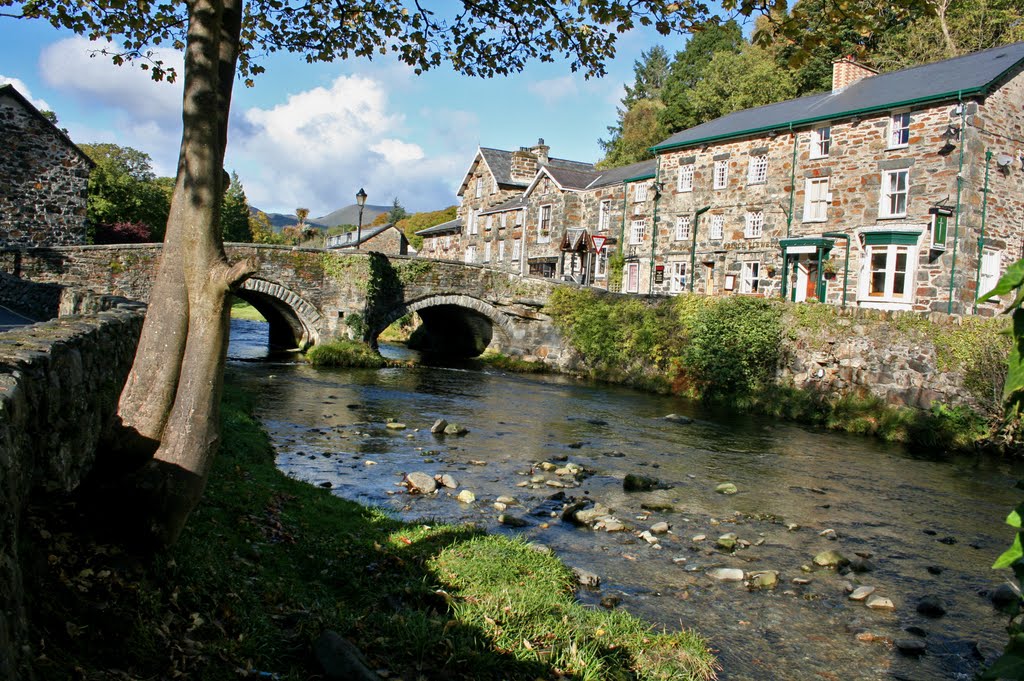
<point x="886" y="237"/>
<point x="815" y="241"/>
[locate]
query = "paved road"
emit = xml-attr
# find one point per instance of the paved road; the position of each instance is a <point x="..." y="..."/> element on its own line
<point x="9" y="319"/>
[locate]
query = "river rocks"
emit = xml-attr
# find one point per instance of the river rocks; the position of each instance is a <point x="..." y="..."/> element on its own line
<point x="648" y="537"/>
<point x="861" y="565"/>
<point x="678" y="418"/>
<point x="763" y="580"/>
<point x="880" y="603"/>
<point x="1004" y="596"/>
<point x="455" y="429"/>
<point x="395" y="425"/>
<point x="420" y="483"/>
<point x="829" y="534"/>
<point x="861" y="593"/>
<point x="727" y="541"/>
<point x="438" y="427"/>
<point x="327" y="484"/>
<point x="586" y="578"/>
<point x="931" y="606"/>
<point x="726" y="488"/>
<point x="611" y="601"/>
<point x="911" y="646"/>
<point x="830" y="559"/>
<point x="639" y="483"/>
<point x="506" y="499"/>
<point x="512" y="521"/>
<point x="610" y="524"/>
<point x="448" y="481"/>
<point x="466" y="496"/>
<point x="726" y="574"/>
<point x="659" y="528"/>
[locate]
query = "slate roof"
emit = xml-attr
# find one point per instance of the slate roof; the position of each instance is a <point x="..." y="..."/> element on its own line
<point x="634" y="171"/>
<point x="512" y="204"/>
<point x="349" y="238"/>
<point x="443" y="228"/>
<point x="500" y="163"/>
<point x="967" y="76"/>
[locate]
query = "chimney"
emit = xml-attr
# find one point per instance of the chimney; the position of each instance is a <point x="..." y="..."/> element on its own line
<point x="540" y="150"/>
<point x="524" y="165"/>
<point x="847" y="70"/>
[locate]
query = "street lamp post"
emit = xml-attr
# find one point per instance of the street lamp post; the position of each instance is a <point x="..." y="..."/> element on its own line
<point x="361" y="200"/>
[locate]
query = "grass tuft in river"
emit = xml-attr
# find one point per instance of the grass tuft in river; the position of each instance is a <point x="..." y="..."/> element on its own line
<point x="345" y="353"/>
<point x="267" y="563"/>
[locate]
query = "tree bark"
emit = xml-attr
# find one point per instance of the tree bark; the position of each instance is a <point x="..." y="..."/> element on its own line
<point x="170" y="407"/>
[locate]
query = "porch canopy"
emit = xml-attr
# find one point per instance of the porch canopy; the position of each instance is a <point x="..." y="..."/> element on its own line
<point x="819" y="246"/>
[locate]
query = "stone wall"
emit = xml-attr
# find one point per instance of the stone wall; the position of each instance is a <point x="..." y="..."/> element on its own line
<point x="59" y="384"/>
<point x="43" y="178"/>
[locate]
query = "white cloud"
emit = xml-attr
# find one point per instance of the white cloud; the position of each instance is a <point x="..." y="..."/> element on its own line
<point x="20" y="86"/>
<point x="320" y="146"/>
<point x="73" y="65"/>
<point x="553" y="90"/>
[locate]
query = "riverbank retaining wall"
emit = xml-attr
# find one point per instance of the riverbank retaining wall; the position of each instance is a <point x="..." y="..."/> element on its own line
<point x="59" y="385"/>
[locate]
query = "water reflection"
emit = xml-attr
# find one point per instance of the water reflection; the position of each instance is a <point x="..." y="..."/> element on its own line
<point x="926" y="527"/>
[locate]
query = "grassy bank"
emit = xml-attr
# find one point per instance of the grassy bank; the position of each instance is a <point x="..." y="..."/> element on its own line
<point x="267" y="563"/>
<point x="243" y="310"/>
<point x="724" y="351"/>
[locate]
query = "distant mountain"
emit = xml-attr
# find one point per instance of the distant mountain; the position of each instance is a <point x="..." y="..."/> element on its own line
<point x="349" y="215"/>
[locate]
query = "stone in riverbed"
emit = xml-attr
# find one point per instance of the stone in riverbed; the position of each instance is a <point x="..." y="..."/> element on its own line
<point x="726" y="488"/>
<point x="931" y="606"/>
<point x="448" y="481"/>
<point x="639" y="483"/>
<point x="678" y="418"/>
<point x="420" y="483"/>
<point x="659" y="528"/>
<point x="830" y="559"/>
<point x="511" y="521"/>
<point x="1004" y="596"/>
<point x="586" y="578"/>
<point x="506" y="499"/>
<point x="880" y="603"/>
<point x="395" y="425"/>
<point x="455" y="429"/>
<point x="466" y="496"/>
<point x="438" y="427"/>
<point x="727" y="541"/>
<point x="765" y="579"/>
<point x="911" y="646"/>
<point x="726" y="574"/>
<point x="861" y="592"/>
<point x="610" y="601"/>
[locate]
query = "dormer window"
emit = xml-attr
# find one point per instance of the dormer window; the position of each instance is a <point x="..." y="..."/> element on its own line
<point x="899" y="130"/>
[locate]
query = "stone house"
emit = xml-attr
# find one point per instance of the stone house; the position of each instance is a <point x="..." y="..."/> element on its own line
<point x="899" y="191"/>
<point x="43" y="178"/>
<point x="386" y="239"/>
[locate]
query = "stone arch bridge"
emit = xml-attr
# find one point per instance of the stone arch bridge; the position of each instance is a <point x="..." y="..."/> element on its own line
<point x="311" y="295"/>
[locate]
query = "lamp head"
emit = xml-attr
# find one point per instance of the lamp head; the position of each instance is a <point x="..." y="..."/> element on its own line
<point x="361" y="197"/>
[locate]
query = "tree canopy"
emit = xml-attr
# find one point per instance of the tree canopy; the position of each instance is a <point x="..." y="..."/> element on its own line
<point x="123" y="189"/>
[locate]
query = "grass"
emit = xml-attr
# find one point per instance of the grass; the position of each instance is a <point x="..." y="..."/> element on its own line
<point x="513" y="365"/>
<point x="345" y="353"/>
<point x="267" y="563"/>
<point x="243" y="310"/>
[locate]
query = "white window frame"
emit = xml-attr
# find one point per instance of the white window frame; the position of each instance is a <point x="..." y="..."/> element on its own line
<point x="490" y="223"/>
<point x="517" y="249"/>
<point x="637" y="232"/>
<point x="487" y="251"/>
<point x="604" y="215"/>
<point x="601" y="264"/>
<point x="991" y="270"/>
<point x="677" y="276"/>
<point x="472" y="228"/>
<point x="888" y="292"/>
<point x="494" y="185"/>
<point x="447" y="243"/>
<point x="685" y="182"/>
<point x="899" y="129"/>
<point x="889" y="200"/>
<point x="753" y="224"/>
<point x="519" y="216"/>
<point x="717" y="230"/>
<point x="721" y="180"/>
<point x="750" y="271"/>
<point x="757" y="169"/>
<point x="470" y="255"/>
<point x="504" y="221"/>
<point x="817" y="199"/>
<point x="544" y="220"/>
<point x="640" y="192"/>
<point x="479" y="187"/>
<point x="501" y="250"/>
<point x="821" y="141"/>
<point x="683" y="225"/>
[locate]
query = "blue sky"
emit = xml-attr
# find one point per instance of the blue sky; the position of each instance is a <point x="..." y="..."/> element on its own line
<point x="312" y="135"/>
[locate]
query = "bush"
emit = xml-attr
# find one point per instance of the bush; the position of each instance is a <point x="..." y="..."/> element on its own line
<point x="123" y="233"/>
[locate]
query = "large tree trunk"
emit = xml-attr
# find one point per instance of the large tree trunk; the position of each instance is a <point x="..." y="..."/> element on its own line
<point x="170" y="405"/>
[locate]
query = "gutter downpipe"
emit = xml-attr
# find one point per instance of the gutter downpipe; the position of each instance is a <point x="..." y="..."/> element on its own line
<point x="693" y="245"/>
<point x="654" y="226"/>
<point x="981" y="237"/>
<point x="959" y="187"/>
<point x="789" y="216"/>
<point x="622" y="232"/>
<point x="846" y="264"/>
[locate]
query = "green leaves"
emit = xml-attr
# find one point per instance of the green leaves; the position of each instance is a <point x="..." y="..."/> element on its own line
<point x="1013" y="279"/>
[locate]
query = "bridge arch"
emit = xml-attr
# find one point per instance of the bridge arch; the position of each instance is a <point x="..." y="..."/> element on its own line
<point x="455" y="324"/>
<point x="294" y="323"/>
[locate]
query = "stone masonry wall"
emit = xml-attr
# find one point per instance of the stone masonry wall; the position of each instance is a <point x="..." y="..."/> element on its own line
<point x="43" y="180"/>
<point x="59" y="384"/>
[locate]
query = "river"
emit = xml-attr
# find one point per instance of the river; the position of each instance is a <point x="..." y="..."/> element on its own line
<point x="924" y="525"/>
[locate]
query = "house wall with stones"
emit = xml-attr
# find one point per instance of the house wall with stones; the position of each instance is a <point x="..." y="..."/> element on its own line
<point x="391" y="241"/>
<point x="543" y="241"/>
<point x="43" y="178"/>
<point x="607" y="223"/>
<point x="480" y="191"/>
<point x="855" y="167"/>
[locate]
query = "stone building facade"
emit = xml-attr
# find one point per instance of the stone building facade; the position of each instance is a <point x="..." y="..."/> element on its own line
<point x="899" y="191"/>
<point x="386" y="239"/>
<point x="43" y="178"/>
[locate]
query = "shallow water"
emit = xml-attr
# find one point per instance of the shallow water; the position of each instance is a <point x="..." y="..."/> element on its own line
<point x="913" y="515"/>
